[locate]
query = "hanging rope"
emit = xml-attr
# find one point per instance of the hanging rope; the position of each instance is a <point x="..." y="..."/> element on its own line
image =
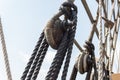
<point x="54" y="26"/>
<point x="58" y="60"/>
<point x="32" y="57"/>
<point x="70" y="46"/>
<point x="40" y="60"/>
<point x="42" y="49"/>
<point x="7" y="66"/>
<point x="101" y="59"/>
<point x="74" y="73"/>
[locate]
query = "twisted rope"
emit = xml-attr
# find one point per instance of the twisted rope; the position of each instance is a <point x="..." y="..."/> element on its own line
<point x="69" y="52"/>
<point x="41" y="49"/>
<point x="58" y="60"/>
<point x="70" y="47"/>
<point x="101" y="59"/>
<point x="40" y="61"/>
<point x="74" y="73"/>
<point x="7" y="65"/>
<point x="32" y="57"/>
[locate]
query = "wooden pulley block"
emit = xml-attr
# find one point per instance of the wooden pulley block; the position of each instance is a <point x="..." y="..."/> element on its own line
<point x="54" y="33"/>
<point x="84" y="63"/>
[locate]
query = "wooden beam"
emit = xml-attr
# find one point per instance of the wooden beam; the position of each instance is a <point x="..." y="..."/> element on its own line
<point x="88" y="11"/>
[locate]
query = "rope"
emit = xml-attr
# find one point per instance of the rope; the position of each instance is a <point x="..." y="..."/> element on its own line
<point x="7" y="66"/>
<point x="101" y="59"/>
<point x="111" y="42"/>
<point x="88" y="74"/>
<point x="40" y="61"/>
<point x="41" y="49"/>
<point x="70" y="46"/>
<point x="69" y="52"/>
<point x="74" y="73"/>
<point x="58" y="60"/>
<point x="32" y="57"/>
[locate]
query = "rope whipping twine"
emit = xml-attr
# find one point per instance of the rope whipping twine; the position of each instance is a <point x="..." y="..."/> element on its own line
<point x="7" y="66"/>
<point x="101" y="59"/>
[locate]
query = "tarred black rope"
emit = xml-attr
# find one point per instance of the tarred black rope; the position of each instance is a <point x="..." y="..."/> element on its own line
<point x="74" y="73"/>
<point x="42" y="56"/>
<point x="69" y="52"/>
<point x="58" y="60"/>
<point x="72" y="31"/>
<point x="41" y="49"/>
<point x="32" y="57"/>
<point x="88" y="74"/>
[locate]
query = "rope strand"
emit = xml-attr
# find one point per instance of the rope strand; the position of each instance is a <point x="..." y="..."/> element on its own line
<point x="42" y="56"/>
<point x="41" y="49"/>
<point x="69" y="52"/>
<point x="7" y="65"/>
<point x="32" y="57"/>
<point x="58" y="60"/>
<point x="101" y="59"/>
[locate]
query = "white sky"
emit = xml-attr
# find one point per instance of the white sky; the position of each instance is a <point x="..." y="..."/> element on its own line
<point x="24" y="20"/>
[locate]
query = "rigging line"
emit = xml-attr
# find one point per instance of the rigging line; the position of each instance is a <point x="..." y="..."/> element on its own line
<point x="101" y="59"/>
<point x="111" y="42"/>
<point x="7" y="65"/>
<point x="32" y="56"/>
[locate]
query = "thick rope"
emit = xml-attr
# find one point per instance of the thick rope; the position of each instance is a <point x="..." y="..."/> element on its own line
<point x="58" y="60"/>
<point x="32" y="57"/>
<point x="42" y="56"/>
<point x="41" y="49"/>
<point x="101" y="59"/>
<point x="70" y="47"/>
<point x="69" y="52"/>
<point x="7" y="66"/>
<point x="74" y="73"/>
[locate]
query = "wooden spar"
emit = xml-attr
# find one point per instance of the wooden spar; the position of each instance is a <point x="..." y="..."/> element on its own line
<point x="77" y="45"/>
<point x="115" y="38"/>
<point x="94" y="30"/>
<point x="88" y="11"/>
<point x="90" y="16"/>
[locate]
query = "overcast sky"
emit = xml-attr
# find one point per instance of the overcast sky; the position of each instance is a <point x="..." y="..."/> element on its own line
<point x="24" y="20"/>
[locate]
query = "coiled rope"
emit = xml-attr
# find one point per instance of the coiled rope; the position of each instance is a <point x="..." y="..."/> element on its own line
<point x="7" y="66"/>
